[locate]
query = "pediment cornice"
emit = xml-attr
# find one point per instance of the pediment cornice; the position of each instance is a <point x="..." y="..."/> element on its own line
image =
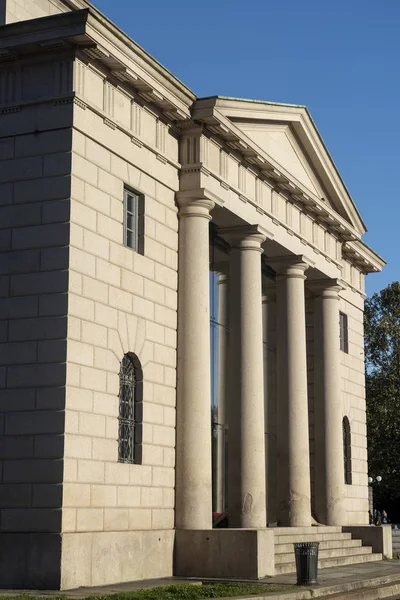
<point x="268" y="169"/>
<point x="221" y="115"/>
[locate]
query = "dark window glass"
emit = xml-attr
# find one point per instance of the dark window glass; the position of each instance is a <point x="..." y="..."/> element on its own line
<point x="344" y="333"/>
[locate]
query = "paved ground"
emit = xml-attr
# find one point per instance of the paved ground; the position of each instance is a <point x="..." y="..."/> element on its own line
<point x="327" y="577"/>
<point x="350" y="577"/>
<point x="348" y="573"/>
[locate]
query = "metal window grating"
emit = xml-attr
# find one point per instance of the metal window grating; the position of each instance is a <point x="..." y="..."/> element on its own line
<point x="127" y="390"/>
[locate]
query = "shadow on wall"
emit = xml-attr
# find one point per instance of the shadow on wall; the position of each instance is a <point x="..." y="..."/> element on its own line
<point x="3" y="12"/>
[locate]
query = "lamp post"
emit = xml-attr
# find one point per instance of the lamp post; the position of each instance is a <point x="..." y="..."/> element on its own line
<point x="371" y="482"/>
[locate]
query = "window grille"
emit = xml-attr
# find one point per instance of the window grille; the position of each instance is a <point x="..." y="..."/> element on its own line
<point x="130" y="403"/>
<point x="347" y="451"/>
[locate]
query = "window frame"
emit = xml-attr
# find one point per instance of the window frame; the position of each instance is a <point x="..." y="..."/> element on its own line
<point x="138" y="215"/>
<point x="344" y="332"/>
<point x="130" y="420"/>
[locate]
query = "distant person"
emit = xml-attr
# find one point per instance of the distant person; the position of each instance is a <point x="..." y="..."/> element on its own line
<point x="385" y="519"/>
<point x="377" y="518"/>
<point x="370" y="518"/>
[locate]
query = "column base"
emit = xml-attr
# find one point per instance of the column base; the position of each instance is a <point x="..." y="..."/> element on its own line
<point x="240" y="553"/>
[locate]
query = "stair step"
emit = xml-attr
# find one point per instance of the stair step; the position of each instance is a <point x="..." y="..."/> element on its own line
<point x="283" y="548"/>
<point x="330" y="553"/>
<point x="305" y="530"/>
<point x="325" y="563"/>
<point x="350" y="560"/>
<point x="315" y="537"/>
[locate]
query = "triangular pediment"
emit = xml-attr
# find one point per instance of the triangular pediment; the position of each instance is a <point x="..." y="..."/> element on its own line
<point x="288" y="138"/>
<point x="279" y="142"/>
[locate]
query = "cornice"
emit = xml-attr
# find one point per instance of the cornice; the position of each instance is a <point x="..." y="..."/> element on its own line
<point x="359" y="254"/>
<point x="122" y="41"/>
<point x="86" y="31"/>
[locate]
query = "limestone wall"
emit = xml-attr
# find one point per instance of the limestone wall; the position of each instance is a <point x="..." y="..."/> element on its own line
<point x="35" y="153"/>
<point x="120" y="301"/>
<point x="353" y="390"/>
<point x="23" y="10"/>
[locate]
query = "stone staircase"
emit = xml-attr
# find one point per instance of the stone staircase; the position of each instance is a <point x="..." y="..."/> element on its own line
<point x="335" y="547"/>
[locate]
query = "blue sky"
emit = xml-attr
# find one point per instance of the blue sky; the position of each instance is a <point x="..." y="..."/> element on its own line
<point x="341" y="58"/>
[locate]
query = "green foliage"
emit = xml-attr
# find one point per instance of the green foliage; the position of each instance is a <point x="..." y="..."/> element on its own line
<point x="382" y="354"/>
<point x="179" y="592"/>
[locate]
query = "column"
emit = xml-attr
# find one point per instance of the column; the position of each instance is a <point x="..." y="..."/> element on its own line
<point x="193" y="417"/>
<point x="328" y="409"/>
<point x="246" y="445"/>
<point x="222" y="386"/>
<point x="270" y="404"/>
<point x="294" y="503"/>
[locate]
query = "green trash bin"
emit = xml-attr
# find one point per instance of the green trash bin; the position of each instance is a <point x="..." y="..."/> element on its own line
<point x="306" y="554"/>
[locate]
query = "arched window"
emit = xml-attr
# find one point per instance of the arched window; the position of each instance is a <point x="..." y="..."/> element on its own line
<point x="347" y="451"/>
<point x="130" y="410"/>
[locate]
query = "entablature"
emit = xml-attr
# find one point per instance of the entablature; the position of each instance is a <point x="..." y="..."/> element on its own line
<point x="210" y="144"/>
<point x="86" y="32"/>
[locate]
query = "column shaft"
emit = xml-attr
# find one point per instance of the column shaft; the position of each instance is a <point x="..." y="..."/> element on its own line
<point x="223" y="337"/>
<point x="246" y="454"/>
<point x="193" y="419"/>
<point x="270" y="403"/>
<point x="328" y="410"/>
<point x="294" y="508"/>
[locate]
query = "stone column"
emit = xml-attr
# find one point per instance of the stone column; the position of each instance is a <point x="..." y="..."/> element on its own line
<point x="294" y="502"/>
<point x="270" y="404"/>
<point x="328" y="409"/>
<point x="193" y="416"/>
<point x="246" y="445"/>
<point x="222" y="387"/>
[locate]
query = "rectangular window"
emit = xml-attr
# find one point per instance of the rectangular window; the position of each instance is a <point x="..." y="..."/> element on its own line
<point x="134" y="221"/>
<point x="344" y="333"/>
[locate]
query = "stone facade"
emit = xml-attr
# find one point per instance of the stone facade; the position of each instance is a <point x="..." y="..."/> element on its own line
<point x="80" y="125"/>
<point x="12" y="11"/>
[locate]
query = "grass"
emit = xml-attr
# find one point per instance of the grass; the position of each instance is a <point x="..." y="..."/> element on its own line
<point x="176" y="592"/>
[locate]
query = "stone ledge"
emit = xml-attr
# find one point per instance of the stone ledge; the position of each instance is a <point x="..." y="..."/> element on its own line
<point x="380" y="538"/>
<point x="240" y="553"/>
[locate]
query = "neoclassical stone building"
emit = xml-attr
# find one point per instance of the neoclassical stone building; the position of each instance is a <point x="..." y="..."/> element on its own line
<point x="168" y="261"/>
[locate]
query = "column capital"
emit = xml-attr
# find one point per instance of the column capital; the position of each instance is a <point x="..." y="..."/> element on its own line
<point x="245" y="237"/>
<point x="325" y="288"/>
<point x="195" y="207"/>
<point x="290" y="266"/>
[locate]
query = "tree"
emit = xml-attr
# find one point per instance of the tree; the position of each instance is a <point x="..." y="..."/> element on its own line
<point x="382" y="357"/>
